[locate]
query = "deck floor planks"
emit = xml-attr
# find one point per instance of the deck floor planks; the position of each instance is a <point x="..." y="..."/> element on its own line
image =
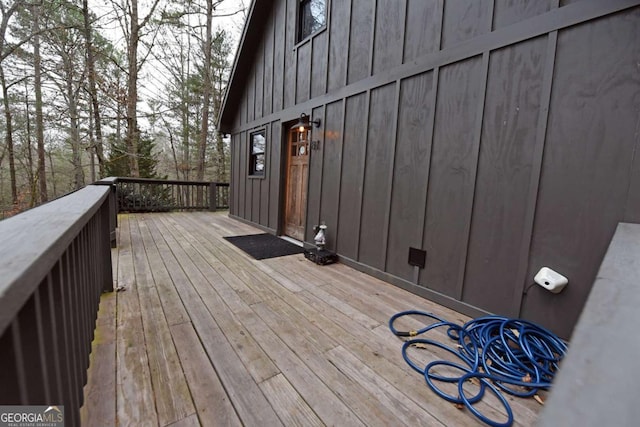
<point x="255" y="360"/>
<point x="382" y="354"/>
<point x="310" y="343"/>
<point x="209" y="396"/>
<point x="174" y="309"/>
<point x="135" y="398"/>
<point x="251" y="405"/>
<point x="288" y="358"/>
<point x="286" y="401"/>
<point x="313" y="389"/>
<point x="173" y="400"/>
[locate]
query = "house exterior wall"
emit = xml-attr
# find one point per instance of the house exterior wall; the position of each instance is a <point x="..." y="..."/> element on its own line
<point x="498" y="135"/>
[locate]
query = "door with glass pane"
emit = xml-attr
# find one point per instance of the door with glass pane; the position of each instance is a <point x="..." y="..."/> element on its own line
<point x="296" y="186"/>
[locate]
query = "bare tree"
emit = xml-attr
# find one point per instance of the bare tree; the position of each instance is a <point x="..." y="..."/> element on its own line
<point x="7" y="12"/>
<point x="37" y="69"/>
<point x="206" y="93"/>
<point x="129" y="18"/>
<point x="91" y="70"/>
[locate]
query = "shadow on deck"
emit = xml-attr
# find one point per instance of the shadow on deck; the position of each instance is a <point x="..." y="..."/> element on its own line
<point x="201" y="334"/>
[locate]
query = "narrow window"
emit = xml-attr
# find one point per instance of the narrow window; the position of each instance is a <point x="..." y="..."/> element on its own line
<point x="312" y="16"/>
<point x="257" y="153"/>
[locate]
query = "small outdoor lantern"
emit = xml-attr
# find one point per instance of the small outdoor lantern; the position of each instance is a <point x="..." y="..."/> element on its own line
<point x="304" y="123"/>
<point x="319" y="254"/>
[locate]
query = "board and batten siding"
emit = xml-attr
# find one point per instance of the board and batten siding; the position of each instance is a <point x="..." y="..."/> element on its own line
<point x="499" y="136"/>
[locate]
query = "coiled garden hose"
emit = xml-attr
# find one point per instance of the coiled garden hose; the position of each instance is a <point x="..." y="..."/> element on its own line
<point x="498" y="352"/>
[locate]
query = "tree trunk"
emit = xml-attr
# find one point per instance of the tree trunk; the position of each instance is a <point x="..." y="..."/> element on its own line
<point x="221" y="160"/>
<point x="132" y="92"/>
<point x="9" y="137"/>
<point x="206" y="95"/>
<point x="91" y="149"/>
<point x="74" y="133"/>
<point x="31" y="174"/>
<point x="91" y="69"/>
<point x="53" y="174"/>
<point x="42" y="176"/>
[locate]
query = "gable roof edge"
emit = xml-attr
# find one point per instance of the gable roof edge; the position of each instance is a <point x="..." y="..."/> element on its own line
<point x="250" y="31"/>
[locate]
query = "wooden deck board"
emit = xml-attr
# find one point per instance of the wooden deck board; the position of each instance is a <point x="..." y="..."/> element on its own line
<point x="135" y="400"/>
<point x="205" y="335"/>
<point x="173" y="401"/>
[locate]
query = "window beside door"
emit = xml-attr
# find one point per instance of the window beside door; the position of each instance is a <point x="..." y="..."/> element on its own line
<point x="257" y="150"/>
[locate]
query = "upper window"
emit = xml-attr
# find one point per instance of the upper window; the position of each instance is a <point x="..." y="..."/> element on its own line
<point x="257" y="152"/>
<point x="312" y="16"/>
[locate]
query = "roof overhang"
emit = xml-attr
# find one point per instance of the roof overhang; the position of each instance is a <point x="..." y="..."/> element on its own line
<point x="242" y="64"/>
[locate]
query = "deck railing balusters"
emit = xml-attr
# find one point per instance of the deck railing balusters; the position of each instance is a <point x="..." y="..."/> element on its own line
<point x="54" y="264"/>
<point x="155" y="195"/>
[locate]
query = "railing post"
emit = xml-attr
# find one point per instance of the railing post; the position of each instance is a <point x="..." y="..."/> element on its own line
<point x="113" y="207"/>
<point x="109" y="212"/>
<point x="213" y="196"/>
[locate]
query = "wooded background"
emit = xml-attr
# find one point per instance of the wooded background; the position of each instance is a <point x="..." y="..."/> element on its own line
<point x="112" y="88"/>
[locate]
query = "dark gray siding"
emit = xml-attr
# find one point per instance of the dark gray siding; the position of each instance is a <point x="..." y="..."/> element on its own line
<point x="588" y="155"/>
<point x="378" y="167"/>
<point x="498" y="135"/>
<point x="452" y="175"/>
<point x="464" y="20"/>
<point x="332" y="148"/>
<point x="411" y="171"/>
<point x="351" y="182"/>
<point x="503" y="175"/>
<point x="360" y="39"/>
<point x="422" y="28"/>
<point x="339" y="17"/>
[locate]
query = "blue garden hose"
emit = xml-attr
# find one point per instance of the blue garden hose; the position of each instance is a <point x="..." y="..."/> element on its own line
<point x="499" y="352"/>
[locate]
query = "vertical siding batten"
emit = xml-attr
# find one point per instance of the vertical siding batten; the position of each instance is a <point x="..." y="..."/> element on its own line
<point x="367" y="108"/>
<point x="541" y="134"/>
<point x="376" y="181"/>
<point x="484" y="77"/>
<point x="339" y="173"/>
<point x="387" y="214"/>
<point x="310" y="71"/>
<point x="350" y="177"/>
<point x="512" y="108"/>
<point x="431" y="129"/>
<point x="411" y="171"/>
<point x="275" y="175"/>
<point x="372" y="45"/>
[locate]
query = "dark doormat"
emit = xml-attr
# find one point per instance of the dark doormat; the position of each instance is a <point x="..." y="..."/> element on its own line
<point x="263" y="246"/>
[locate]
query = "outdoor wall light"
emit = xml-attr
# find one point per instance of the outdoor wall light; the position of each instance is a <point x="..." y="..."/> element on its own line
<point x="304" y="123"/>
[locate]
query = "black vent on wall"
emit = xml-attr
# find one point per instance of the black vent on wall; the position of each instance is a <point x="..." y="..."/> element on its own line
<point x="417" y="257"/>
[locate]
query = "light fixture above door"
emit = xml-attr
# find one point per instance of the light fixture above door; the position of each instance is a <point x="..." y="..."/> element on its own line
<point x="304" y="123"/>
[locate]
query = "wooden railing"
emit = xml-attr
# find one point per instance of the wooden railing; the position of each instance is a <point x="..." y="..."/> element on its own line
<point x="597" y="384"/>
<point x="55" y="261"/>
<point x="159" y="195"/>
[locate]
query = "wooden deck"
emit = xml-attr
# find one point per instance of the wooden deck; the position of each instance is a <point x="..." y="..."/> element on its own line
<point x="202" y="334"/>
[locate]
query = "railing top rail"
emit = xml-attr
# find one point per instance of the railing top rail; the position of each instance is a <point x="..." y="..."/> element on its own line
<point x="33" y="241"/>
<point x="115" y="180"/>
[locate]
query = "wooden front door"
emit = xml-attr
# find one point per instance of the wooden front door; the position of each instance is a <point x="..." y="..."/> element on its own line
<point x="296" y="187"/>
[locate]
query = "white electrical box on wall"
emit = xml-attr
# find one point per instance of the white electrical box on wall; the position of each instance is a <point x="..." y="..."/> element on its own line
<point x="551" y="280"/>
